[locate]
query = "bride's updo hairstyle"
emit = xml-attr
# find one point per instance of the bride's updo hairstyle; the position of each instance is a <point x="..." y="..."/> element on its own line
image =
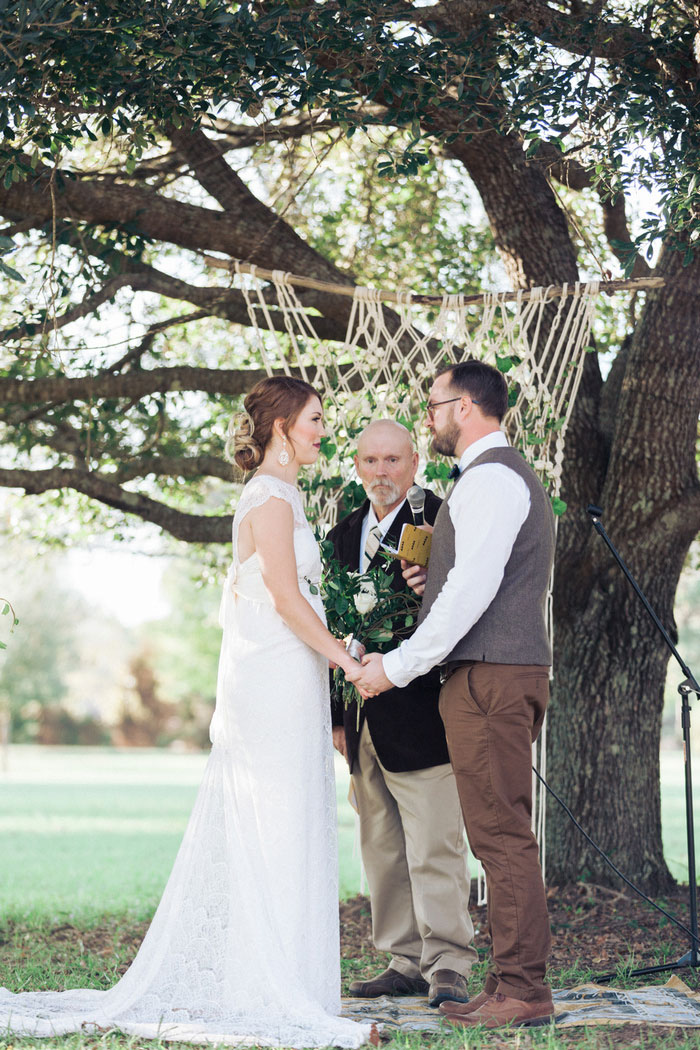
<point x="250" y="431"/>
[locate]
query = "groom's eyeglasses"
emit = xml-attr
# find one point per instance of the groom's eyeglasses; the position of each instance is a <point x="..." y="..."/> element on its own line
<point x="432" y="405"/>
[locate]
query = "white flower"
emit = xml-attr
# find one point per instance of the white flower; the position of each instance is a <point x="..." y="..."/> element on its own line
<point x="366" y="600"/>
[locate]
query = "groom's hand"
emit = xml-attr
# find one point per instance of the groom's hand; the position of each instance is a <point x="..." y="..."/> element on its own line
<point x="353" y="673"/>
<point x="373" y="678"/>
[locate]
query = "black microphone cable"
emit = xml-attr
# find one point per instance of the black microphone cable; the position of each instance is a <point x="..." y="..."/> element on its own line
<point x="596" y="847"/>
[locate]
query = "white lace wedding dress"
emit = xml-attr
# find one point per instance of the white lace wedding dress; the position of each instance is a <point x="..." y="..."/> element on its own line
<point x="244" y="946"/>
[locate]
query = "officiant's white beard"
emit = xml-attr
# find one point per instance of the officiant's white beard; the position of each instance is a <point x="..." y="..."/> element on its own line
<point x="382" y="493"/>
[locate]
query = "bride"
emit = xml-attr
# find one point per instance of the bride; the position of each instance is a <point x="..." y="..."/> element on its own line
<point x="244" y="945"/>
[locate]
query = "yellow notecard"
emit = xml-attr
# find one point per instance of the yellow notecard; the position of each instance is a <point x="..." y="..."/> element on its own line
<point x="414" y="545"/>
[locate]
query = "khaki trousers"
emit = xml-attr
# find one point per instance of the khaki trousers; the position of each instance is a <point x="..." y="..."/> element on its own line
<point x="414" y="854"/>
<point x="492" y="713"/>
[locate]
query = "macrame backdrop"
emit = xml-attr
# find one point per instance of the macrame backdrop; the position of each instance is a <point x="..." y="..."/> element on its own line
<point x="538" y="338"/>
<point x="390" y="355"/>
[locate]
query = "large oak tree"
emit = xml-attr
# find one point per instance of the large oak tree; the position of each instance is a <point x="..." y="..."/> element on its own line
<point x="141" y="138"/>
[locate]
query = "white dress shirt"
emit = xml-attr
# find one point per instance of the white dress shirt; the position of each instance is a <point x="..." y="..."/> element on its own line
<point x="371" y="520"/>
<point x="487" y="508"/>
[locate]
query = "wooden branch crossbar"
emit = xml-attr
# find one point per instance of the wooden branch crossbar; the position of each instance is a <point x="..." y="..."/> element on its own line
<point x="382" y="295"/>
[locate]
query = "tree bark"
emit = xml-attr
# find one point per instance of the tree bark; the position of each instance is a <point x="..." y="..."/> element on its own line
<point x="605" y="716"/>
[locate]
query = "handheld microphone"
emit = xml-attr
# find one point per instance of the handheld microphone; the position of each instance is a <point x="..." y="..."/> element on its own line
<point x="416" y="501"/>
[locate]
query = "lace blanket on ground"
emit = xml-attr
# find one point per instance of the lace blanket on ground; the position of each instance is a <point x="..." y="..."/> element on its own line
<point x="244" y="946"/>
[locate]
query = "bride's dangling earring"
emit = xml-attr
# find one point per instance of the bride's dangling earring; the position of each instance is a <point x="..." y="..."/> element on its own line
<point x="283" y="458"/>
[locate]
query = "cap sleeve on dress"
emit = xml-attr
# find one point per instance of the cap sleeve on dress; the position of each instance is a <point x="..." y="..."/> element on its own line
<point x="264" y="487"/>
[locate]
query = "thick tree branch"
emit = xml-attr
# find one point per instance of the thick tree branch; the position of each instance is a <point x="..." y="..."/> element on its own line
<point x="243" y="136"/>
<point x="230" y="382"/>
<point x="249" y="230"/>
<point x="133" y="385"/>
<point x="587" y="34"/>
<point x="216" y="301"/>
<point x="175" y="467"/>
<point x="192" y="528"/>
<point x="264" y="228"/>
<point x="570" y="172"/>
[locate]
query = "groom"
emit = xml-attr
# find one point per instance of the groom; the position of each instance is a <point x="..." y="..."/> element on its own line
<point x="411" y="829"/>
<point x="483" y="621"/>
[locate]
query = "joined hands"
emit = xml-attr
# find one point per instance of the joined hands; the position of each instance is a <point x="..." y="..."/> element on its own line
<point x="369" y="677"/>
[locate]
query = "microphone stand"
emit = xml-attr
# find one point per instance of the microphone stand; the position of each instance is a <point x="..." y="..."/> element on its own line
<point x="688" y="685"/>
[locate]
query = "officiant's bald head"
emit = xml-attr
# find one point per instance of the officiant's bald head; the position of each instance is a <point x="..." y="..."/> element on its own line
<point x="386" y="463"/>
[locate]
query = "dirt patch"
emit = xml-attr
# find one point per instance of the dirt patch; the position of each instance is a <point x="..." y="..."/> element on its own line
<point x="593" y="929"/>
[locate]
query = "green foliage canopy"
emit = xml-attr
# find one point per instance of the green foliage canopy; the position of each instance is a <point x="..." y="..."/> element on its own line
<point x="614" y="86"/>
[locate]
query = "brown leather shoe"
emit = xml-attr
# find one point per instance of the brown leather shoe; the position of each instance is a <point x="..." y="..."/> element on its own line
<point x="447" y="984"/>
<point x="391" y="982"/>
<point x="499" y="1010"/>
<point x="460" y="1009"/>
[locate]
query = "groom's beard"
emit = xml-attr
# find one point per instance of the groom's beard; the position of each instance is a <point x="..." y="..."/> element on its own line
<point x="445" y="441"/>
<point x="382" y="493"/>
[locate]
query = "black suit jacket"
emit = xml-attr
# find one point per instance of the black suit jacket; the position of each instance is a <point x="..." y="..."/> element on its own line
<point x="407" y="731"/>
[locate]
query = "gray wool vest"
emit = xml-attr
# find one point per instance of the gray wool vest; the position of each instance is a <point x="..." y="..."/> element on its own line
<point x="513" y="629"/>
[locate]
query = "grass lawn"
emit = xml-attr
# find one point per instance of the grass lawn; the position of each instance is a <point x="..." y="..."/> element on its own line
<point x="88" y="836"/>
<point x="673" y="828"/>
<point x="94" y="831"/>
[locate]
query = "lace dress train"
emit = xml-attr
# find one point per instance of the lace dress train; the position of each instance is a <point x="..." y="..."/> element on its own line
<point x="244" y="945"/>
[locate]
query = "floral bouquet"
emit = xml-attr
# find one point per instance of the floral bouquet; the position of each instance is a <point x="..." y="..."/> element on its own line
<point x="363" y="607"/>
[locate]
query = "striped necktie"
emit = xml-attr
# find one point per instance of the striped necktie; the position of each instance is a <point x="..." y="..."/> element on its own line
<point x="371" y="546"/>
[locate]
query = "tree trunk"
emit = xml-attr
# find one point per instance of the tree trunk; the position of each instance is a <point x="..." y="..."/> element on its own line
<point x="605" y="716"/>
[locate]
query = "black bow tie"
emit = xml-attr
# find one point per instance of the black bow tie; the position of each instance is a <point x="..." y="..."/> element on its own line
<point x="454" y="473"/>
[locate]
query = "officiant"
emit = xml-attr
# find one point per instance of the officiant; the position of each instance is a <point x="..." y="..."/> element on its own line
<point x="411" y="830"/>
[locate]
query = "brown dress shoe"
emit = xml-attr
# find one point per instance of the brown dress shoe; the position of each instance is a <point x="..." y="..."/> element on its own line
<point x="499" y="1010"/>
<point x="391" y="982"/>
<point x="447" y="984"/>
<point x="460" y="1009"/>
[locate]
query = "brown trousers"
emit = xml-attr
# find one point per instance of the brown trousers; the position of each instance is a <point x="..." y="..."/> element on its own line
<point x="492" y="713"/>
